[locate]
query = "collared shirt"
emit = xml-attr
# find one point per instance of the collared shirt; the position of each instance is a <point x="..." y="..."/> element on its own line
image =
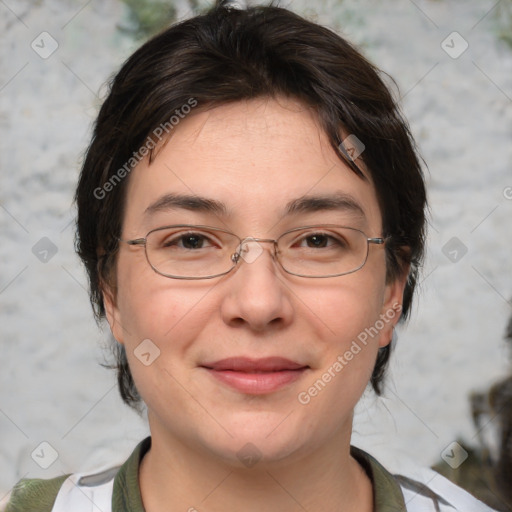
<point x="387" y="494"/>
<point x="117" y="490"/>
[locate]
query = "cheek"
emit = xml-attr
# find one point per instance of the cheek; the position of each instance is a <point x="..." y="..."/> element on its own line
<point x="345" y="319"/>
<point x="346" y="307"/>
<point x="166" y="311"/>
<point x="163" y="318"/>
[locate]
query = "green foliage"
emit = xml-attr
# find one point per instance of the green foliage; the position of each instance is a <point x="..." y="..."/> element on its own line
<point x="504" y="17"/>
<point x="476" y="476"/>
<point x="148" y="17"/>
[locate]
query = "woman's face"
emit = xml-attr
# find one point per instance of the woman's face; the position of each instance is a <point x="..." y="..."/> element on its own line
<point x="205" y="374"/>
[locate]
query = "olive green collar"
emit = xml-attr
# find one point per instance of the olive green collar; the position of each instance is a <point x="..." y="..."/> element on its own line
<point x="387" y="496"/>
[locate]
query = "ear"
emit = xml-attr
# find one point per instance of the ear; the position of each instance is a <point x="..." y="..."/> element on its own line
<point x="392" y="306"/>
<point x="112" y="312"/>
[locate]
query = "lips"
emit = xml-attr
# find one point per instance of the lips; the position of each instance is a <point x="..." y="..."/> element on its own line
<point x="255" y="376"/>
<point x="245" y="364"/>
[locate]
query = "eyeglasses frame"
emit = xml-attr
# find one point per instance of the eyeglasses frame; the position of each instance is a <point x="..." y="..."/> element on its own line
<point x="235" y="257"/>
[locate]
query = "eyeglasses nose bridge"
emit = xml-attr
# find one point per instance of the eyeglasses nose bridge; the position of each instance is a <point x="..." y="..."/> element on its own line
<point x="235" y="257"/>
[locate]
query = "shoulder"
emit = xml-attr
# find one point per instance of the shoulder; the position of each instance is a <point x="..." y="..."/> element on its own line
<point x="33" y="495"/>
<point x="420" y="490"/>
<point x="427" y="486"/>
<point x="114" y="488"/>
<point x="75" y="492"/>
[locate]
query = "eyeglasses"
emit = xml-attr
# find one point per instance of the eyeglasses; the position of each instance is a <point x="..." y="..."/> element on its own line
<point x="202" y="252"/>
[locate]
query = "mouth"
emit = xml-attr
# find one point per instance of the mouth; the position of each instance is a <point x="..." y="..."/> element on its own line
<point x="256" y="376"/>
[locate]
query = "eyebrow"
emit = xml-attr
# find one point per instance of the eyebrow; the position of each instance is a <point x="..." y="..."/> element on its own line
<point x="339" y="201"/>
<point x="306" y="204"/>
<point x="186" y="202"/>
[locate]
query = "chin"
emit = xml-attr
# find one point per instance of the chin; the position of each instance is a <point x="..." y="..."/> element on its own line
<point x="259" y="440"/>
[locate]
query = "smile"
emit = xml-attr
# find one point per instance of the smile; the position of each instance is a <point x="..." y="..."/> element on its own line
<point x="256" y="376"/>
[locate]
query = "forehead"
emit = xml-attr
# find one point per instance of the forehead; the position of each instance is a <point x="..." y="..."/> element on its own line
<point x="259" y="162"/>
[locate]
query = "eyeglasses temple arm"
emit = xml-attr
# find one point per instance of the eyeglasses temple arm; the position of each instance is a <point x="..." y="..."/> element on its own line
<point x="136" y="241"/>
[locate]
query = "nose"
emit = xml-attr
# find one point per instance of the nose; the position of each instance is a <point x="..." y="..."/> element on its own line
<point x="256" y="295"/>
<point x="250" y="249"/>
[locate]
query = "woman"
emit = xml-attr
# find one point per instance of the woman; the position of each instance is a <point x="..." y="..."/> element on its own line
<point x="251" y="214"/>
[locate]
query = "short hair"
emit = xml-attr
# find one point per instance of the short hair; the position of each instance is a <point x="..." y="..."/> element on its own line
<point x="228" y="55"/>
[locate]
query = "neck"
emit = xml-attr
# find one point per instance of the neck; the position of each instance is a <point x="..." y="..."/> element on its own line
<point x="176" y="477"/>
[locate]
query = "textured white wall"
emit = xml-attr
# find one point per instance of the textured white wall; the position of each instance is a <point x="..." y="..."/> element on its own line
<point x="52" y="388"/>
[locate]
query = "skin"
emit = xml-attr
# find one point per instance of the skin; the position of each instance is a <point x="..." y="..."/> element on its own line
<point x="254" y="157"/>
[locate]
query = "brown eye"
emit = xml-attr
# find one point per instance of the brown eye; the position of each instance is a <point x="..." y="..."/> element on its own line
<point x="192" y="241"/>
<point x="189" y="241"/>
<point x="317" y="241"/>
<point x="321" y="241"/>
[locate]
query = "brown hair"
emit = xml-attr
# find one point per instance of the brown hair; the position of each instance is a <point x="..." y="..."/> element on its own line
<point x="227" y="55"/>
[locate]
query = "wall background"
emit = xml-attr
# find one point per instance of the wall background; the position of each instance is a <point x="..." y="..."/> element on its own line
<point x="52" y="388"/>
